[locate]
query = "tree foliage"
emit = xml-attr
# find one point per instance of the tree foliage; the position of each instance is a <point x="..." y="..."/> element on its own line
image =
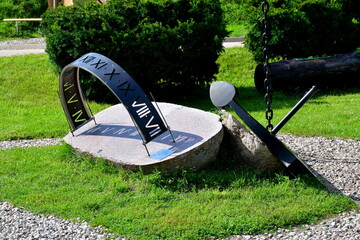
<point x="163" y="45"/>
<point x="20" y="9"/>
<point x="306" y="28"/>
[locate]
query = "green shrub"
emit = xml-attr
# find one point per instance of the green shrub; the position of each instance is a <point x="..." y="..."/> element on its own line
<point x="307" y="28"/>
<point x="21" y="9"/>
<point x="234" y="12"/>
<point x="164" y="45"/>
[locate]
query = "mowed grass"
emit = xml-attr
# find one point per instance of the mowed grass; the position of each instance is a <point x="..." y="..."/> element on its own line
<point x="215" y="202"/>
<point x="30" y="106"/>
<point x="331" y="114"/>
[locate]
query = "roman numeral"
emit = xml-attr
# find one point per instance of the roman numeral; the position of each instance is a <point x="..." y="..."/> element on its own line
<point x="112" y="74"/>
<point x="68" y="85"/>
<point x="137" y="104"/>
<point x="107" y="130"/>
<point x="71" y="99"/>
<point x="99" y="64"/>
<point x="121" y="131"/>
<point x="78" y="114"/>
<point x="143" y="111"/>
<point x="92" y="130"/>
<point x="180" y="138"/>
<point x="156" y="126"/>
<point x="88" y="59"/>
<point x="126" y="89"/>
<point x="155" y="131"/>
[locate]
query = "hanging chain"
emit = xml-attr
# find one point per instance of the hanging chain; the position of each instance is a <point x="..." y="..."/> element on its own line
<point x="267" y="82"/>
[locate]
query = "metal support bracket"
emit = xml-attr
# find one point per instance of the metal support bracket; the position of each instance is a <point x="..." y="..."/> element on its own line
<point x="222" y="95"/>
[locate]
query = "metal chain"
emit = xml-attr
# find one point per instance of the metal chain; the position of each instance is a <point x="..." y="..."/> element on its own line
<point x="267" y="81"/>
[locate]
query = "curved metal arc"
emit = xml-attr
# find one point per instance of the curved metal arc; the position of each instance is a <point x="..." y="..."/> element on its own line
<point x="121" y="84"/>
<point x="73" y="90"/>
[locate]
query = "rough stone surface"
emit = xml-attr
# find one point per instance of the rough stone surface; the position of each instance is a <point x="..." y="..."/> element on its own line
<point x="197" y="135"/>
<point x="247" y="147"/>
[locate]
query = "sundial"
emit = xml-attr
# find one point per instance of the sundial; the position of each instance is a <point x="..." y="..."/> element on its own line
<point x="137" y="132"/>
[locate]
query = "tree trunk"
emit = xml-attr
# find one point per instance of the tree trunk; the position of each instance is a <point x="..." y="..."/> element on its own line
<point x="341" y="70"/>
<point x="68" y="2"/>
<point x="51" y="3"/>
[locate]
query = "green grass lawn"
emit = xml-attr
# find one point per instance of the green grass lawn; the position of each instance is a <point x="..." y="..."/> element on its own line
<point x="28" y="93"/>
<point x="187" y="205"/>
<point x="222" y="200"/>
<point x="30" y="105"/>
<point x="237" y="30"/>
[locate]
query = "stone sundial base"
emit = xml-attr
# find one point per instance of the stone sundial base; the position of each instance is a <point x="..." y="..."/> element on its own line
<point x="114" y="137"/>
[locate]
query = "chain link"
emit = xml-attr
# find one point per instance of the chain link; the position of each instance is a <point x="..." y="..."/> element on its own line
<point x="269" y="114"/>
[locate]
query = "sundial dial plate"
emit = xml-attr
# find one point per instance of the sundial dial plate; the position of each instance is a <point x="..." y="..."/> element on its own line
<point x="197" y="135"/>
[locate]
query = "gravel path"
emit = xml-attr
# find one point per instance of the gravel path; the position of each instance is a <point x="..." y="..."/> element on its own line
<point x="15" y="43"/>
<point x="336" y="160"/>
<point x="38" y="45"/>
<point x="29" y="143"/>
<point x="16" y="223"/>
<point x="22" y="47"/>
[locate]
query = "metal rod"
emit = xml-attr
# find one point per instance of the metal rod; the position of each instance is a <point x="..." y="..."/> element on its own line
<point x="290" y="114"/>
<point x="163" y="118"/>
<point x="146" y="149"/>
<point x="292" y="163"/>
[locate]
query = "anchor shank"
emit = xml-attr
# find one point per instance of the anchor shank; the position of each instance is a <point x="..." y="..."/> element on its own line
<point x="275" y="146"/>
<point x="292" y="112"/>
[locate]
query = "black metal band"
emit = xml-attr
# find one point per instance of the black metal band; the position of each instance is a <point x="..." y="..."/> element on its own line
<point x="142" y="111"/>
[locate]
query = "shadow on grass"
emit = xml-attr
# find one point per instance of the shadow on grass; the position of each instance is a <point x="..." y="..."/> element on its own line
<point x="224" y="174"/>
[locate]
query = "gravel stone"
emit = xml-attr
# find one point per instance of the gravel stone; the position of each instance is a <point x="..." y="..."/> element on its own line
<point x="29" y="143"/>
<point x="23" y="41"/>
<point x="16" y="223"/>
<point x="22" y="47"/>
<point x="335" y="160"/>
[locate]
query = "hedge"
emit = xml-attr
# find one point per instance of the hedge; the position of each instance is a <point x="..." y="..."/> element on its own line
<point x="166" y="46"/>
<point x="301" y="29"/>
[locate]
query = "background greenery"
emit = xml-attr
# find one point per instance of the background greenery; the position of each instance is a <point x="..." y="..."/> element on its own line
<point x="170" y="45"/>
<point x="21" y="9"/>
<point x="299" y="29"/>
<point x="32" y="94"/>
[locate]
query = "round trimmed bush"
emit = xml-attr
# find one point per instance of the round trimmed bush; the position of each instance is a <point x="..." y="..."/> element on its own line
<point x="166" y="46"/>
